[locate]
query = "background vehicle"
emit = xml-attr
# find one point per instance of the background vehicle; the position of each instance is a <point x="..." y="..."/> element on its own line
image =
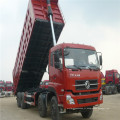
<point x="2" y="88"/>
<point x="112" y="82"/>
<point x="103" y="82"/>
<point x="74" y="69"/>
<point x="8" y="88"/>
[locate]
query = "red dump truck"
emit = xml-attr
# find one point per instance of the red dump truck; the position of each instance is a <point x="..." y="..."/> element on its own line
<point x="74" y="69"/>
<point x="112" y="82"/>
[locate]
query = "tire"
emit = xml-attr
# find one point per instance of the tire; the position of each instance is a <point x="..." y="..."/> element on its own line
<point x="86" y="113"/>
<point x="19" y="99"/>
<point x="42" y="107"/>
<point x="103" y="92"/>
<point x="118" y="89"/>
<point x="114" y="90"/>
<point x="108" y="90"/>
<point x="54" y="109"/>
<point x="23" y="105"/>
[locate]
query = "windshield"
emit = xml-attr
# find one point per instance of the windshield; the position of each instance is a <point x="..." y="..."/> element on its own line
<point x="9" y="85"/>
<point x="2" y="85"/>
<point x="81" y="58"/>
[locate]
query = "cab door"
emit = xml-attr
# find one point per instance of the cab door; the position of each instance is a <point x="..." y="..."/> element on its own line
<point x="56" y="70"/>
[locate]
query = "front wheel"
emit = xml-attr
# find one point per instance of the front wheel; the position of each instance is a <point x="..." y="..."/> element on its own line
<point x="54" y="109"/>
<point x="87" y="112"/>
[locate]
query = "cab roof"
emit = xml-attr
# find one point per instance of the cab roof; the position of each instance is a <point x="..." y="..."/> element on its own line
<point x="71" y="45"/>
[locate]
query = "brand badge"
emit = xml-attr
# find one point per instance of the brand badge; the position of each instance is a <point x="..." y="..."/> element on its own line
<point x="87" y="84"/>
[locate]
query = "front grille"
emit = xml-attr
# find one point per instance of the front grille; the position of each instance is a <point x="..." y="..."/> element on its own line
<point x="86" y="93"/>
<point x="81" y="84"/>
<point x="9" y="88"/>
<point x="88" y="100"/>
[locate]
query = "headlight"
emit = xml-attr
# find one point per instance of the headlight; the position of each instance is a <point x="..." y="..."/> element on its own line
<point x="69" y="99"/>
<point x="46" y="83"/>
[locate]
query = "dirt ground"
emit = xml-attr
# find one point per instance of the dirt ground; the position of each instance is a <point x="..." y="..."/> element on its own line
<point x="109" y="110"/>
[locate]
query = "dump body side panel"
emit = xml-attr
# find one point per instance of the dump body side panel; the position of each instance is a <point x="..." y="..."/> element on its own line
<point x="35" y="43"/>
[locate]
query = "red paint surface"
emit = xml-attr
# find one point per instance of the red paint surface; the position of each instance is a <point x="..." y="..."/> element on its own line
<point x="44" y="84"/>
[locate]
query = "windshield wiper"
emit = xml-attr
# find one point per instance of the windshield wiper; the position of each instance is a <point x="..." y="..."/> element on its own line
<point x="78" y="67"/>
<point x="87" y="67"/>
<point x="73" y="67"/>
<point x="95" y="67"/>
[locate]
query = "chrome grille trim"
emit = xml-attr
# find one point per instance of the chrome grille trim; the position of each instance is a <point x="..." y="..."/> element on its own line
<point x="84" y="84"/>
<point x="80" y="84"/>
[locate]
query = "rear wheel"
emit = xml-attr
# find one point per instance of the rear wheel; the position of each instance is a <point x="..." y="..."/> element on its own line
<point x="86" y="113"/>
<point x="108" y="90"/>
<point x="42" y="107"/>
<point x="114" y="90"/>
<point x="54" y="109"/>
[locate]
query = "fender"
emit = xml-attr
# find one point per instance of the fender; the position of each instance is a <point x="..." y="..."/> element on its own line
<point x="52" y="90"/>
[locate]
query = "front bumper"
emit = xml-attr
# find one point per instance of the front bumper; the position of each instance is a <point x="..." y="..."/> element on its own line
<point x="2" y="94"/>
<point x="82" y="100"/>
<point x="8" y="93"/>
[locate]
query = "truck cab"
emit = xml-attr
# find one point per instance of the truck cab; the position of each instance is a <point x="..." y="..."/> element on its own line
<point x="2" y="88"/>
<point x="2" y="85"/>
<point x="112" y="80"/>
<point x="112" y="76"/>
<point x="8" y="86"/>
<point x="74" y="72"/>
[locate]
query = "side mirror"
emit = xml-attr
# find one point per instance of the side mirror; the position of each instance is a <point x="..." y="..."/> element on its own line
<point x="100" y="59"/>
<point x="66" y="52"/>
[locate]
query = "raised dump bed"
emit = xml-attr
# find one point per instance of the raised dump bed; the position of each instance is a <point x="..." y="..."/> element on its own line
<point x="36" y="41"/>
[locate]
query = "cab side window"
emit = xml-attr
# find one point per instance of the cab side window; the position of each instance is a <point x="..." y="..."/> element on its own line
<point x="58" y="59"/>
